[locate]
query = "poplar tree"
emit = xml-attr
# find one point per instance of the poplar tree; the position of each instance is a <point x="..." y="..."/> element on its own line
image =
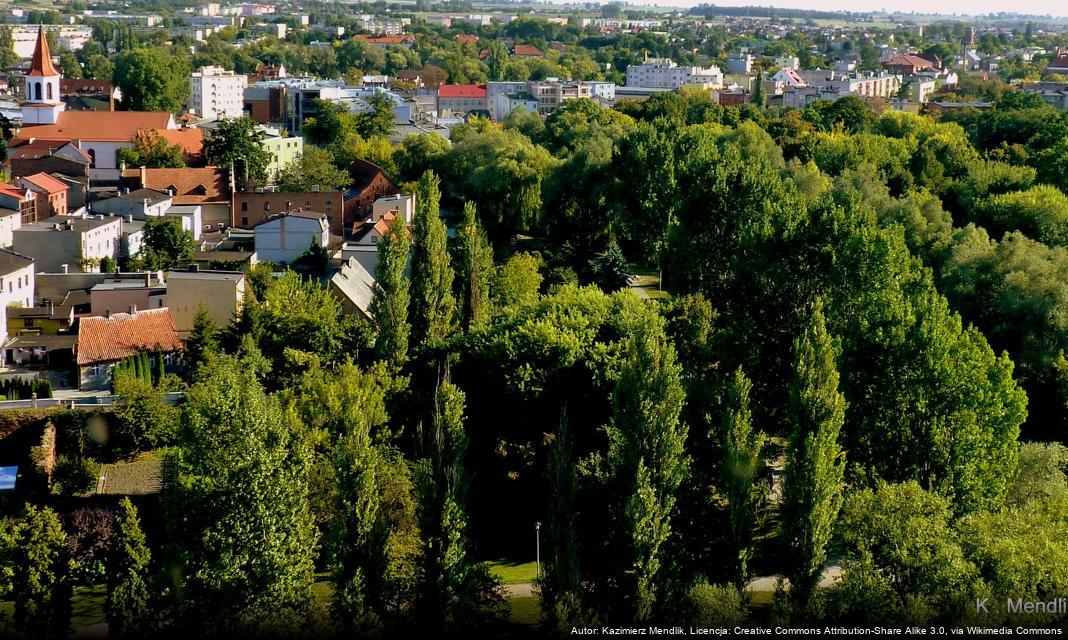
<point x="455" y="590"/>
<point x="476" y="269"/>
<point x="741" y="463"/>
<point x="812" y="490"/>
<point x="389" y="308"/>
<point x="648" y="462"/>
<point x="127" y="603"/>
<point x="41" y="584"/>
<point x="432" y="304"/>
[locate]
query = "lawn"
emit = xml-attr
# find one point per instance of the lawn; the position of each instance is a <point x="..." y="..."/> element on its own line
<point x="514" y="571"/>
<point x="525" y="610"/>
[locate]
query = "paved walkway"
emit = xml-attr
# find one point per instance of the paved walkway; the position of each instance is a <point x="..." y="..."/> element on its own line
<point x="520" y="590"/>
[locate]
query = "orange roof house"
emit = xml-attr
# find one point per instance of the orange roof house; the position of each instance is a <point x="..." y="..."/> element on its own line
<point x="103" y="341"/>
<point x="46" y="183"/>
<point x="203" y="185"/>
<point x="527" y="51"/>
<point x="189" y="140"/>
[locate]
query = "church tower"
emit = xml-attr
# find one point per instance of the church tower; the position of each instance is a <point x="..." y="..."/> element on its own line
<point x="42" y="104"/>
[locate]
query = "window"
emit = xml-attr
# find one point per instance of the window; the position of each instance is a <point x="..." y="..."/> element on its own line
<point x="329" y="205"/>
<point x="266" y="206"/>
<point x="244" y="206"/>
<point x="27" y="322"/>
<point x="49" y="87"/>
<point x="244" y="221"/>
<point x="37" y="91"/>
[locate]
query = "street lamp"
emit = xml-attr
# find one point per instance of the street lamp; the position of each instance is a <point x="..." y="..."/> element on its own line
<point x="537" y="548"/>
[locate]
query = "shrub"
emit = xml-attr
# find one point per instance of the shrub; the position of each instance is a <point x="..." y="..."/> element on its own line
<point x="73" y="475"/>
<point x="717" y="605"/>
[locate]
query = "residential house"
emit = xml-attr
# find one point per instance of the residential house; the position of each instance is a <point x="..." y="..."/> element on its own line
<point x="208" y="187"/>
<point x="126" y="295"/>
<point x="45" y="320"/>
<point x="402" y="204"/>
<point x="220" y="292"/>
<point x="54" y="158"/>
<point x="51" y="194"/>
<point x="281" y="150"/>
<point x="288" y="235"/>
<point x="1059" y="64"/>
<point x="372" y="230"/>
<point x="527" y="51"/>
<point x="69" y="243"/>
<point x="252" y="207"/>
<point x="104" y="341"/>
<point x="461" y="98"/>
<point x="16" y="279"/>
<point x="354" y="287"/>
<point x="407" y="40"/>
<point x="141" y="204"/>
<point x="369" y="183"/>
<point x="18" y="206"/>
<point x="908" y="65"/>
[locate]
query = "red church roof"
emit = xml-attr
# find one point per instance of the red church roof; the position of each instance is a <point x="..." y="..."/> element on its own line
<point x="42" y="57"/>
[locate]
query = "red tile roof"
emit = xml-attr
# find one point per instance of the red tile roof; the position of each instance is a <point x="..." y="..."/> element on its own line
<point x="41" y="65"/>
<point x="1060" y="62"/>
<point x="404" y="39"/>
<point x="908" y="60"/>
<point x="111" y="339"/>
<point x="13" y="191"/>
<point x="191" y="141"/>
<point x="107" y="126"/>
<point x="527" y="51"/>
<point x="191" y="185"/>
<point x="464" y="37"/>
<point x="46" y="183"/>
<point x="462" y="91"/>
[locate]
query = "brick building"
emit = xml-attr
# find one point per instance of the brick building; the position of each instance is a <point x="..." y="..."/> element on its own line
<point x="252" y="208"/>
<point x="369" y="183"/>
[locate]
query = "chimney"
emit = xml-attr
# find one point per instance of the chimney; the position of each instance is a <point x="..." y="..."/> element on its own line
<point x="144" y="176"/>
<point x="51" y="307"/>
<point x="133" y="309"/>
<point x="65" y="267"/>
<point x="107" y="313"/>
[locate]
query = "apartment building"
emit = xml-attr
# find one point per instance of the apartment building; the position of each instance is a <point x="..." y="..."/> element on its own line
<point x="664" y="73"/>
<point x="217" y="93"/>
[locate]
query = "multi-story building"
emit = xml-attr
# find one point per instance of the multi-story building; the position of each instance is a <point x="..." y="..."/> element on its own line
<point x="220" y="292"/>
<point x="664" y="73"/>
<point x="51" y="194"/>
<point x="253" y="207"/>
<point x="17" y="201"/>
<point x="217" y="93"/>
<point x="1054" y="93"/>
<point x="461" y="98"/>
<point x="282" y="149"/>
<point x="286" y="236"/>
<point x="69" y="243"/>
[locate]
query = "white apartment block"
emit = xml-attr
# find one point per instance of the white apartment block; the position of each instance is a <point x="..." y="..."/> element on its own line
<point x="663" y="73"/>
<point x="217" y="93"/>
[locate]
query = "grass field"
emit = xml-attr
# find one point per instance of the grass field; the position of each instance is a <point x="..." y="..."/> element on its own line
<point x="525" y="610"/>
<point x="513" y="571"/>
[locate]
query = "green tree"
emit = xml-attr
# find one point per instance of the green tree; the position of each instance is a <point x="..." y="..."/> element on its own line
<point x="379" y="120"/>
<point x="476" y="269"/>
<point x="41" y="584"/>
<point x="433" y="307"/>
<point x="8" y="57"/>
<point x="455" y="591"/>
<point x="238" y="142"/>
<point x="815" y="463"/>
<point x="647" y="462"/>
<point x="741" y="464"/>
<point x="250" y="537"/>
<point x="68" y="63"/>
<point x="202" y="343"/>
<point x="152" y="80"/>
<point x="127" y="603"/>
<point x="497" y="60"/>
<point x="166" y="244"/>
<point x="151" y="150"/>
<point x="146" y="419"/>
<point x="314" y="170"/>
<point x="759" y="99"/>
<point x="389" y="308"/>
<point x="516" y="282"/>
<point x="99" y="67"/>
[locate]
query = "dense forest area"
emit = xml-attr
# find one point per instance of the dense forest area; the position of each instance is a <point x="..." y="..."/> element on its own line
<point x="857" y="365"/>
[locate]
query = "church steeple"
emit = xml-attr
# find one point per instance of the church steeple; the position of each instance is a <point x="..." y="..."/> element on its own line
<point x="42" y="104"/>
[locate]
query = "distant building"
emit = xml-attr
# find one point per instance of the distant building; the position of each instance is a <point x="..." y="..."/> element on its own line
<point x="207" y="187"/>
<point x="908" y="64"/>
<point x="288" y="235"/>
<point x="369" y="183"/>
<point x="1059" y="64"/>
<point x="740" y="63"/>
<point x="18" y="206"/>
<point x="664" y="73"/>
<point x="354" y="287"/>
<point x="217" y="93"/>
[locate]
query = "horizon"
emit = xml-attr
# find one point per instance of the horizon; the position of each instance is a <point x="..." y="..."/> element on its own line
<point x="962" y="8"/>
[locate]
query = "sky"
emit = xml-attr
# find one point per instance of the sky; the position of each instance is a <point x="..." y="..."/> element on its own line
<point x="968" y="7"/>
